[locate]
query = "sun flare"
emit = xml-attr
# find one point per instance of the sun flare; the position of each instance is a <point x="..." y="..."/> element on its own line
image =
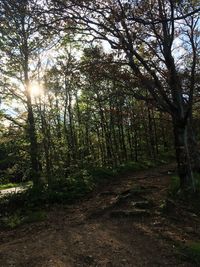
<point x="35" y="89"/>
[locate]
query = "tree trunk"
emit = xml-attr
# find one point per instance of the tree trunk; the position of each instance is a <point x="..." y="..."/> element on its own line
<point x="193" y="148"/>
<point x="35" y="169"/>
<point x="183" y="156"/>
<point x="35" y="166"/>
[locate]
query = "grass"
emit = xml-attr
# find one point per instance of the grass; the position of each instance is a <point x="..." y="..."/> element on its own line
<point x="7" y="186"/>
<point x="11" y="185"/>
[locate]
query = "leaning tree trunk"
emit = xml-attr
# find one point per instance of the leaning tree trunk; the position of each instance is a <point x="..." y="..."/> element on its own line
<point x="183" y="155"/>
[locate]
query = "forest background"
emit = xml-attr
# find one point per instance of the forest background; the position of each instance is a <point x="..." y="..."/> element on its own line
<point x="91" y="88"/>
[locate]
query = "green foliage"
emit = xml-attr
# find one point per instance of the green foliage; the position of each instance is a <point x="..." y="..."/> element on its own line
<point x="14" y="159"/>
<point x="130" y="166"/>
<point x="192" y="252"/>
<point x="82" y="180"/>
<point x="174" y="185"/>
<point x="12" y="221"/>
<point x="18" y="218"/>
<point x="167" y="156"/>
<point x="65" y="190"/>
<point x="149" y="163"/>
<point x="136" y="166"/>
<point x="71" y="188"/>
<point x="7" y="186"/>
<point x="100" y="174"/>
<point x="35" y="216"/>
<point x="61" y="191"/>
<point x="11" y="185"/>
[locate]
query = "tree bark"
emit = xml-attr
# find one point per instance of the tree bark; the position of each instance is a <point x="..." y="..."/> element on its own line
<point x="193" y="148"/>
<point x="183" y="156"/>
<point x="35" y="169"/>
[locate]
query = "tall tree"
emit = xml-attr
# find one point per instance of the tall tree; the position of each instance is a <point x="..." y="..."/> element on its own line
<point x="150" y="34"/>
<point x="21" y="41"/>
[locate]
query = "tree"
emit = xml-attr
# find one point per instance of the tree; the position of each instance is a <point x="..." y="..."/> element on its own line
<point x="21" y="42"/>
<point x="150" y="34"/>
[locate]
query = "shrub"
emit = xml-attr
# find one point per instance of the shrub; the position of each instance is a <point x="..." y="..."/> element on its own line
<point x="192" y="252"/>
<point x="131" y="166"/>
<point x="34" y="216"/>
<point x="174" y="185"/>
<point x="101" y="174"/>
<point x="12" y="221"/>
<point x="20" y="217"/>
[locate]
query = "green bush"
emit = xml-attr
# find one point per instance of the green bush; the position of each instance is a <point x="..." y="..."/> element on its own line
<point x="101" y="174"/>
<point x="192" y="252"/>
<point x="130" y="166"/>
<point x="167" y="156"/>
<point x="12" y="221"/>
<point x="149" y="163"/>
<point x="174" y="185"/>
<point x="64" y="190"/>
<point x="20" y="217"/>
<point x="71" y="188"/>
<point x="34" y="216"/>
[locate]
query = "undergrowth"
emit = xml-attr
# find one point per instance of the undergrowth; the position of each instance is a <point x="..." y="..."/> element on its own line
<point x="174" y="188"/>
<point x="11" y="185"/>
<point x="62" y="191"/>
<point x="191" y="252"/>
<point x="20" y="217"/>
<point x="190" y="200"/>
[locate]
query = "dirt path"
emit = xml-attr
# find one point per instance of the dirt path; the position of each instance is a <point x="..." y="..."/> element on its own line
<point x="106" y="229"/>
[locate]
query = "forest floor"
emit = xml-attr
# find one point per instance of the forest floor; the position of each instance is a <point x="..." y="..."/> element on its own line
<point x="123" y="223"/>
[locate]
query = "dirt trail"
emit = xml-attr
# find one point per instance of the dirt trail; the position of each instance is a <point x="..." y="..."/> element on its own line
<point x="106" y="229"/>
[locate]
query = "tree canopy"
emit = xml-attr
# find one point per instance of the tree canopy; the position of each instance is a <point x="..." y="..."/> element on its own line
<point x="88" y="84"/>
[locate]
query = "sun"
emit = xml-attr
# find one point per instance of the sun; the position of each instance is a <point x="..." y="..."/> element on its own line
<point x="35" y="89"/>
